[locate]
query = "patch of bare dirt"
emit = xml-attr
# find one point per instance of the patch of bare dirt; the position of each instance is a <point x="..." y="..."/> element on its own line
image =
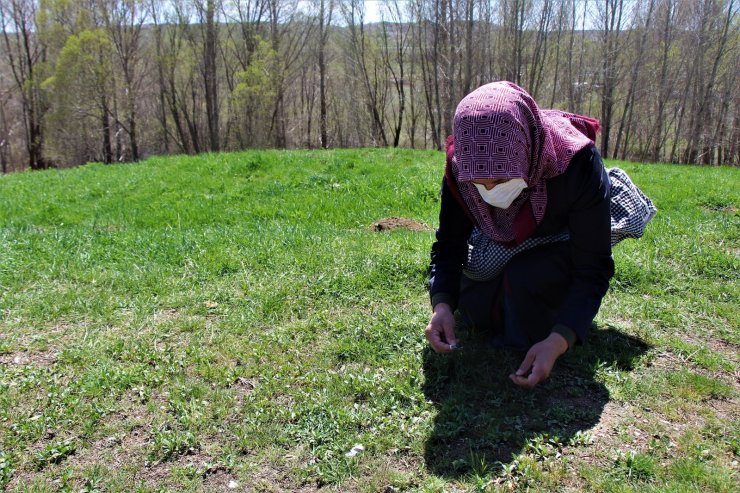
<point x="243" y="387"/>
<point x="270" y="478"/>
<point x="725" y="209"/>
<point x="40" y="359"/>
<point x="391" y="223"/>
<point x="221" y="480"/>
<point x="157" y="475"/>
<point x="611" y="416"/>
<point x="285" y="400"/>
<point x="727" y="348"/>
<point x="727" y="410"/>
<point x="605" y="434"/>
<point x="167" y="314"/>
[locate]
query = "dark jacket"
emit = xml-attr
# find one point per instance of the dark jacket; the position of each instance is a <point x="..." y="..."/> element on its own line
<point x="577" y="200"/>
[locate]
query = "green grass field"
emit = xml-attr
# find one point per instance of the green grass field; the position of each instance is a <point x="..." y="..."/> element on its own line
<point x="233" y="322"/>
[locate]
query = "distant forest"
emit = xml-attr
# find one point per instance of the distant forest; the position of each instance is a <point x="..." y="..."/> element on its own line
<point x="120" y="80"/>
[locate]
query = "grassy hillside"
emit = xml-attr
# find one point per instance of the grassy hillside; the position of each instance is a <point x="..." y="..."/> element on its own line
<point x="233" y="322"/>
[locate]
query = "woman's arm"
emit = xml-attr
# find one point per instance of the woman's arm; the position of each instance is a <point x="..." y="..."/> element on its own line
<point x="447" y="257"/>
<point x="449" y="251"/>
<point x="589" y="224"/>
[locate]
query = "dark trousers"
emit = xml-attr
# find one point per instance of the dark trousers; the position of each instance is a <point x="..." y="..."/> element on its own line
<point x="519" y="306"/>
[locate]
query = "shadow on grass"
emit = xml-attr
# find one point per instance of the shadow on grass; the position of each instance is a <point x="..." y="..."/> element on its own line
<point x="483" y="418"/>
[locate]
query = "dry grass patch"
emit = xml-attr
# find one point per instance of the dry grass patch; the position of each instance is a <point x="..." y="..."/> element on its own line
<point x="39" y="359"/>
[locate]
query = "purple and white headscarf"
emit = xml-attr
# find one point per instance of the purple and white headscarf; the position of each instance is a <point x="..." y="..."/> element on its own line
<point x="501" y="133"/>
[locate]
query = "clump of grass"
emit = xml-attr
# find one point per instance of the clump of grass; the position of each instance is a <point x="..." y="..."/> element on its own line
<point x="168" y="442"/>
<point x="55" y="453"/>
<point x="6" y="467"/>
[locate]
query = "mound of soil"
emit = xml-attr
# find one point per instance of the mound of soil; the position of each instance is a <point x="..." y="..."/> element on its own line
<point x="390" y="223"/>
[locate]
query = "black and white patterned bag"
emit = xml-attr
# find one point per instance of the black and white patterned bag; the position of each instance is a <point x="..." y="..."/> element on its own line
<point x="630" y="211"/>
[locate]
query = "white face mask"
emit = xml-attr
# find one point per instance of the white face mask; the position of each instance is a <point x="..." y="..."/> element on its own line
<point x="503" y="194"/>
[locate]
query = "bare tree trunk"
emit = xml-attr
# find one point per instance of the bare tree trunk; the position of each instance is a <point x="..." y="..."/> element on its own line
<point x="325" y="14"/>
<point x="626" y="121"/>
<point x="162" y="105"/>
<point x="413" y="116"/>
<point x="439" y="47"/>
<point x="666" y="85"/>
<point x="354" y="17"/>
<point x="556" y="70"/>
<point x="397" y="67"/>
<point x="611" y="46"/>
<point x="450" y="43"/>
<point x="576" y="85"/>
<point x="717" y="139"/>
<point x="308" y="98"/>
<point x="105" y="121"/>
<point x="25" y="54"/>
<point x="429" y="75"/>
<point x="4" y="135"/>
<point x="210" y="76"/>
<point x="539" y="52"/>
<point x="682" y="111"/>
<point x="183" y="139"/>
<point x="105" y="131"/>
<point x="520" y="33"/>
<point x="469" y="25"/>
<point x="704" y="108"/>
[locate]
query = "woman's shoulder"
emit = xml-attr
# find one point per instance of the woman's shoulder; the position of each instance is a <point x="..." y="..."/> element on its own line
<point x="585" y="167"/>
<point x="583" y="181"/>
<point x="586" y="157"/>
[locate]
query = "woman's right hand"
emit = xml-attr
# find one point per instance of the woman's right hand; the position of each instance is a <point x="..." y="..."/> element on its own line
<point x="441" y="329"/>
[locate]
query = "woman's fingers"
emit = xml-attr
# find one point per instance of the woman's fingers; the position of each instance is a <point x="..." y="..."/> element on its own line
<point x="530" y="362"/>
<point x="450" y="338"/>
<point x="527" y="363"/>
<point x="539" y="359"/>
<point x="441" y="332"/>
<point x="433" y="334"/>
<point x="525" y="382"/>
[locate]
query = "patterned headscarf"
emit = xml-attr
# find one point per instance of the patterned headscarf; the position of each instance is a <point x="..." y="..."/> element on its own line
<point x="501" y="133"/>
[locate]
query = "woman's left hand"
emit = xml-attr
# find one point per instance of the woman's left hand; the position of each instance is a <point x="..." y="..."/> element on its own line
<point x="540" y="359"/>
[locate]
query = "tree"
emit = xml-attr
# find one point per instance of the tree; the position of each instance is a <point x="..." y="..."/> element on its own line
<point x="81" y="88"/>
<point x="611" y="34"/>
<point x="625" y="124"/>
<point x="395" y="62"/>
<point x="714" y="35"/>
<point x="4" y="128"/>
<point x="128" y="78"/>
<point x="123" y="21"/>
<point x="255" y="92"/>
<point x="666" y="80"/>
<point x="26" y="57"/>
<point x="366" y="63"/>
<point x="209" y="72"/>
<point x="325" y="16"/>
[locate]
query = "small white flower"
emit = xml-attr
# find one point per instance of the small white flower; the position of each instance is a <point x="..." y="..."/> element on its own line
<point x="356" y="449"/>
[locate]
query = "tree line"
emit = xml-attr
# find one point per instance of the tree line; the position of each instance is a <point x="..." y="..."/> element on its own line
<point x="118" y="80"/>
